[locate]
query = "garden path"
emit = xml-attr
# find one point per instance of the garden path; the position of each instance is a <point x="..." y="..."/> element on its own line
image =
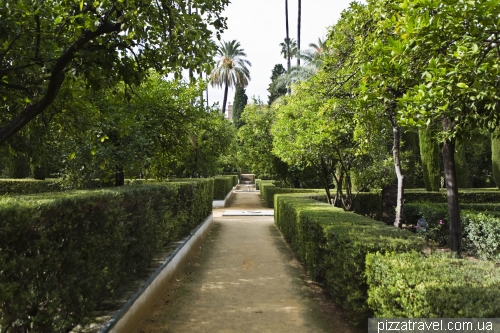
<point x="244" y="279"/>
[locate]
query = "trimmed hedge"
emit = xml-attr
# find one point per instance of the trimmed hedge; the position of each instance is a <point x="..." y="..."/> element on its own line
<point x="28" y="186"/>
<point x="223" y="185"/>
<point x="333" y="245"/>
<point x="269" y="190"/>
<point x="369" y="204"/>
<point x="465" y="196"/>
<point x="411" y="285"/>
<point x="32" y="186"/>
<point x="63" y="254"/>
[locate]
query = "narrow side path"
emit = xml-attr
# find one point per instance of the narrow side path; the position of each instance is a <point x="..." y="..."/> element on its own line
<point x="244" y="279"/>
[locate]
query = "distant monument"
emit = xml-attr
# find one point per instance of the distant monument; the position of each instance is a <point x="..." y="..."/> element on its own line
<point x="229" y="112"/>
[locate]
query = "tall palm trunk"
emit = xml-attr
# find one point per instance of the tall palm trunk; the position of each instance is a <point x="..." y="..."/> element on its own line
<point x="298" y="33"/>
<point x="288" y="65"/>
<point x="226" y="88"/>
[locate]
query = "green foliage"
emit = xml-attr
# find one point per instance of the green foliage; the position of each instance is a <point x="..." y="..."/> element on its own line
<point x="231" y="69"/>
<point x="256" y="142"/>
<point x="274" y="92"/>
<point x="429" y="153"/>
<point x="465" y="196"/>
<point x="240" y="101"/>
<point x="99" y="44"/>
<point x="151" y="131"/>
<point x="411" y="285"/>
<point x="461" y="166"/>
<point x="64" y="253"/>
<point x="479" y="158"/>
<point x="368" y="204"/>
<point x="480" y="226"/>
<point x="28" y="186"/>
<point x="482" y="234"/>
<point x="271" y="192"/>
<point x="333" y="245"/>
<point x="495" y="156"/>
<point x="209" y="139"/>
<point x="433" y="213"/>
<point x="222" y="186"/>
<point x="412" y="167"/>
<point x="19" y="167"/>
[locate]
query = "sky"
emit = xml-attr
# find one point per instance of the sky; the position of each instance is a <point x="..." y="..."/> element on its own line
<point x="259" y="26"/>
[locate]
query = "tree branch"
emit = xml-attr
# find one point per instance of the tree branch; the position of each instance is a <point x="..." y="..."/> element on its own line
<point x="55" y="81"/>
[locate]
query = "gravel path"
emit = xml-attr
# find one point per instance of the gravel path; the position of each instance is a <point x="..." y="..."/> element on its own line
<point x="244" y="279"/>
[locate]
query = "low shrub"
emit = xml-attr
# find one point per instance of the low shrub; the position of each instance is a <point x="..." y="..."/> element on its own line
<point x="369" y="204"/>
<point x="333" y="244"/>
<point x="436" y="216"/>
<point x="411" y="285"/>
<point x="481" y="235"/>
<point x="29" y="186"/>
<point x="465" y="196"/>
<point x="480" y="231"/>
<point x="222" y="186"/>
<point x="269" y="190"/>
<point x="64" y="253"/>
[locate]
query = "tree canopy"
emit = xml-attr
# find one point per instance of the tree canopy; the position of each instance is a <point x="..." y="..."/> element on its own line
<point x="100" y="42"/>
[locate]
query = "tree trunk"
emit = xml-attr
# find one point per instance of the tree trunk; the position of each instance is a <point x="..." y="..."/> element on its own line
<point x="288" y="65"/>
<point x="452" y="189"/>
<point x="119" y="176"/>
<point x="225" y="98"/>
<point x="298" y="33"/>
<point x="396" y="133"/>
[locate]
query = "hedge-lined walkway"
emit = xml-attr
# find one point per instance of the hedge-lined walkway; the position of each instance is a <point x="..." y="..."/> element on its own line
<point x="245" y="279"/>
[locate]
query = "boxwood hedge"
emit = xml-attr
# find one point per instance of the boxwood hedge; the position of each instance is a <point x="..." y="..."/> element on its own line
<point x="333" y="245"/>
<point x="223" y="185"/>
<point x="412" y="285"/>
<point x="62" y="254"/>
<point x="269" y="190"/>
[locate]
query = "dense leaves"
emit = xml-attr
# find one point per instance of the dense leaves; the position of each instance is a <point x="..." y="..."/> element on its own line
<point x="44" y="44"/>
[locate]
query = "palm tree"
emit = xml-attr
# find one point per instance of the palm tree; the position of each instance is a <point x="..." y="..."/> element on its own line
<point x="287" y="40"/>
<point x="231" y="68"/>
<point x="298" y="33"/>
<point x="288" y="46"/>
<point x="313" y="59"/>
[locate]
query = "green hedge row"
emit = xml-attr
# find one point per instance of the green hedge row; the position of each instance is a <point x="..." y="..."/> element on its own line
<point x="368" y="204"/>
<point x="411" y="285"/>
<point x="29" y="186"/>
<point x="269" y="190"/>
<point x="333" y="245"/>
<point x="465" y="196"/>
<point x="61" y="255"/>
<point x="259" y="182"/>
<point x="223" y="185"/>
<point x="480" y="226"/>
<point x="32" y="186"/>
